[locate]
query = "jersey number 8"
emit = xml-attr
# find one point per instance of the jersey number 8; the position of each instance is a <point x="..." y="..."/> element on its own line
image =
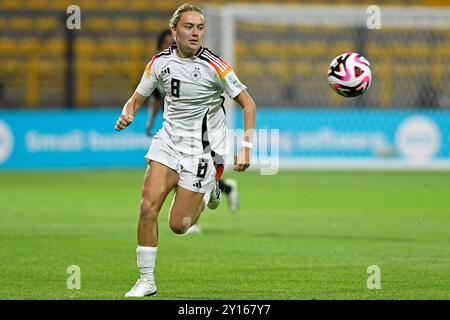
<point x="175" y="88"/>
<point x="202" y="168"/>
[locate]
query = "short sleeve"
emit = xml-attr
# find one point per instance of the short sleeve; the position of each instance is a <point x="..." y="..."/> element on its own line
<point x="231" y="84"/>
<point x="226" y="77"/>
<point x="149" y="80"/>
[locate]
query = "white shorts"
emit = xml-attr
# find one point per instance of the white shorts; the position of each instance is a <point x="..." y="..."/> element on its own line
<point x="197" y="173"/>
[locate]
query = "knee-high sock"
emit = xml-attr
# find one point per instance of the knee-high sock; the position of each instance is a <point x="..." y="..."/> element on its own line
<point x="146" y="257"/>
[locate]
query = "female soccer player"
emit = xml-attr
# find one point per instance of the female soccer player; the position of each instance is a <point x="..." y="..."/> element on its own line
<point x="156" y="104"/>
<point x="187" y="153"/>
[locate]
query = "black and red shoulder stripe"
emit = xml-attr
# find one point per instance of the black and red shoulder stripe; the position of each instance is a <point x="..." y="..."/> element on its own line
<point x="220" y="65"/>
<point x="165" y="52"/>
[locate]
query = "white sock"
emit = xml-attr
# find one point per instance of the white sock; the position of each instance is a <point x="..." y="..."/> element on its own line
<point x="146" y="257"/>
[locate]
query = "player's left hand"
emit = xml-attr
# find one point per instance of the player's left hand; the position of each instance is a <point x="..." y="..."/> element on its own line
<point x="242" y="159"/>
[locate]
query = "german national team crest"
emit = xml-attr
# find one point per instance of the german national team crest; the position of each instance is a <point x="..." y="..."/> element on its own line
<point x="196" y="75"/>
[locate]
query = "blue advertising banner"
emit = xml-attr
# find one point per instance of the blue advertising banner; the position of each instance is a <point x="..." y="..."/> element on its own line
<point x="305" y="138"/>
<point x="70" y="139"/>
<point x="359" y="137"/>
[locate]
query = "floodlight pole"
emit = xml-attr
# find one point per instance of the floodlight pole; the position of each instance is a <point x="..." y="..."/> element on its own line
<point x="69" y="74"/>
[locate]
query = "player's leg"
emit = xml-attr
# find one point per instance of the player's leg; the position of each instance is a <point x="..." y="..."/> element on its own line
<point x="212" y="199"/>
<point x="159" y="180"/>
<point x="192" y="195"/>
<point x="185" y="210"/>
<point x="229" y="187"/>
<point x="194" y="192"/>
<point x="195" y="228"/>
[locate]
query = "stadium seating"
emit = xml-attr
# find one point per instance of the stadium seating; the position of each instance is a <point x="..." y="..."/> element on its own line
<point x="117" y="39"/>
<point x="397" y="54"/>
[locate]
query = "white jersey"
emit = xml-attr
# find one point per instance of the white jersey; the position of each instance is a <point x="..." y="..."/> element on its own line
<point x="194" y="115"/>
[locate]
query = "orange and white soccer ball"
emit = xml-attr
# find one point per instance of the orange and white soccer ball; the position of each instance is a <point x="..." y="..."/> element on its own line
<point x="349" y="74"/>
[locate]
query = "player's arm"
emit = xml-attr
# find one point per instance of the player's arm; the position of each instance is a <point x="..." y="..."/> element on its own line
<point x="129" y="111"/>
<point x="143" y="90"/>
<point x="242" y="161"/>
<point x="229" y="82"/>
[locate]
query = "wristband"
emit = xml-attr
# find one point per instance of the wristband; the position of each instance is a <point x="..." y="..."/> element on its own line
<point x="246" y="144"/>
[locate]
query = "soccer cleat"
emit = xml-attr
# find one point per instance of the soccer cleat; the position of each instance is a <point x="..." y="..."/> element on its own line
<point x="214" y="199"/>
<point x="233" y="196"/>
<point x="141" y="289"/>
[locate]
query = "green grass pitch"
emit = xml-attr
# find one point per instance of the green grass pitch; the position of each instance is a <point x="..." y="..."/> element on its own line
<point x="298" y="235"/>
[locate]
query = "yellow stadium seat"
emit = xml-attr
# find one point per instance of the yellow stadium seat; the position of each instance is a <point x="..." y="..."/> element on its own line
<point x="48" y="24"/>
<point x="3" y="24"/>
<point x="308" y="48"/>
<point x="242" y="49"/>
<point x="415" y="49"/>
<point x="163" y="5"/>
<point x="97" y="24"/>
<point x="54" y="46"/>
<point x="134" y="43"/>
<point x="265" y="48"/>
<point x="8" y="46"/>
<point x="88" y="5"/>
<point x="434" y="2"/>
<point x="281" y="28"/>
<point x="85" y="46"/>
<point x="11" y="65"/>
<point x="112" y="46"/>
<point x="442" y="49"/>
<point x="305" y="68"/>
<point x="52" y="67"/>
<point x="10" y="5"/>
<point x="138" y="5"/>
<point x="20" y="24"/>
<point x="280" y="69"/>
<point x="154" y="25"/>
<point x="126" y="24"/>
<point x="37" y="4"/>
<point x="61" y="4"/>
<point x="253" y="27"/>
<point x="250" y="69"/>
<point x="114" y="5"/>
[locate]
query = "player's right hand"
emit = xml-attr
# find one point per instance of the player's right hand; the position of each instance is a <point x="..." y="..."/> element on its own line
<point x="123" y="121"/>
<point x="242" y="159"/>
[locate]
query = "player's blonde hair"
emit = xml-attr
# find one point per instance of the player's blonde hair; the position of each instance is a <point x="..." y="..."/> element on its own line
<point x="185" y="7"/>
